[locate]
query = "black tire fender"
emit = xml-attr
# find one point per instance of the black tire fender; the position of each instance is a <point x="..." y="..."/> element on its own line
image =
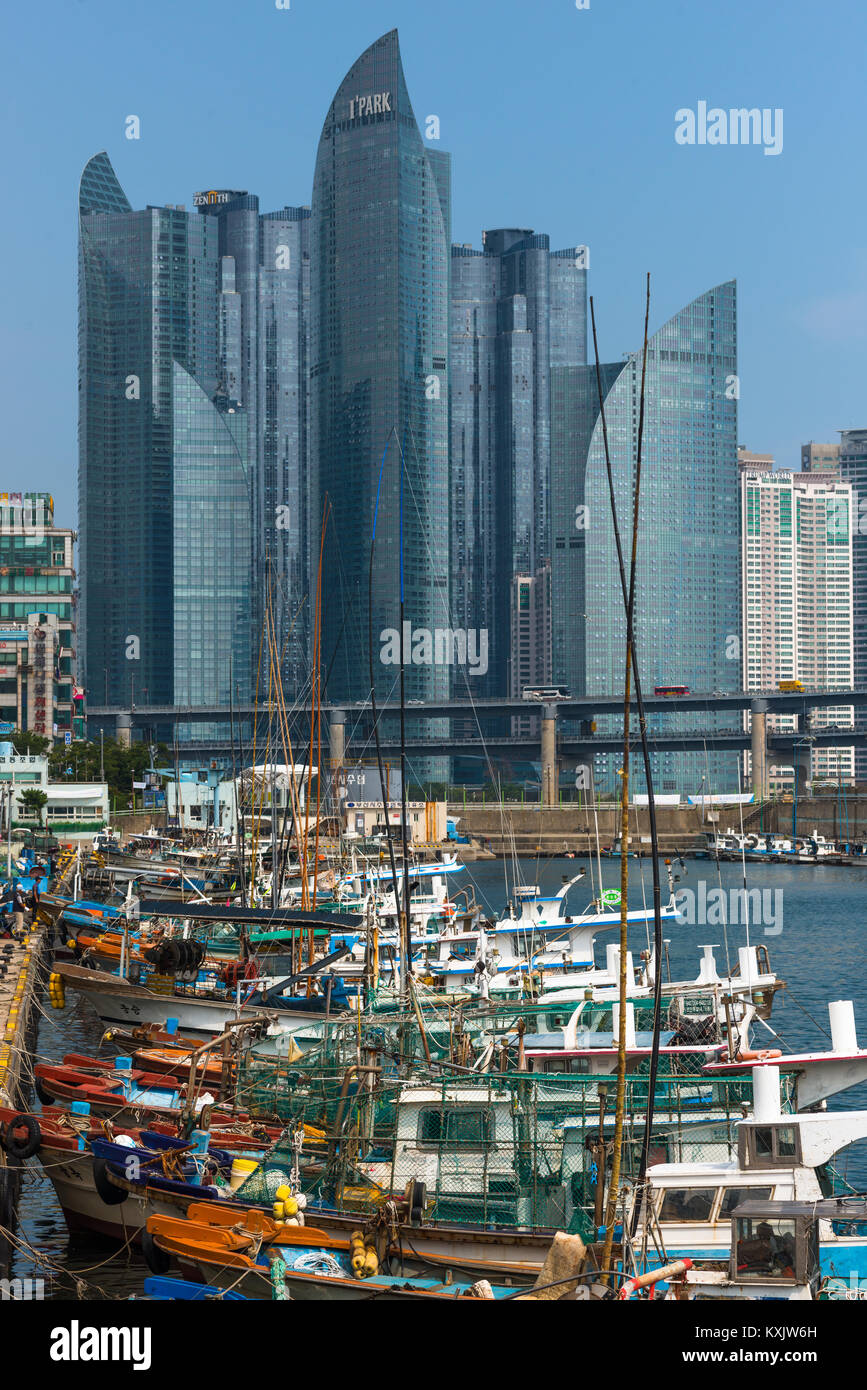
<point x="44" y="1096"/>
<point x="158" y="1261"/>
<point x="17" y="1148"/>
<point x="111" y="1195"/>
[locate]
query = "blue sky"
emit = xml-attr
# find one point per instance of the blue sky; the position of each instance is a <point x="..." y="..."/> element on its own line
<point x="557" y="118"/>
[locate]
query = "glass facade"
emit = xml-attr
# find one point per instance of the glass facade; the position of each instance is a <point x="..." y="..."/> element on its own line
<point x="148" y="300"/>
<point x="687" y="608"/>
<point x="379" y="366"/>
<point x="574" y="412"/>
<point x="212" y="518"/>
<point x="193" y="377"/>
<point x="518" y="313"/>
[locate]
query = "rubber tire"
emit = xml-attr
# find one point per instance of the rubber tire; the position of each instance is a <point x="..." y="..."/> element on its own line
<point x="44" y="1096"/>
<point x="112" y="1196"/>
<point x="158" y="1261"/>
<point x="12" y="1146"/>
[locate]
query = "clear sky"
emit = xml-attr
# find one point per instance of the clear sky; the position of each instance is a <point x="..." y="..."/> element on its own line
<point x="557" y="118"/>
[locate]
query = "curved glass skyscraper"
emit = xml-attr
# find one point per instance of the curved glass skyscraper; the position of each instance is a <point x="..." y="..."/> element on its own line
<point x="379" y="379"/>
<point x="687" y="605"/>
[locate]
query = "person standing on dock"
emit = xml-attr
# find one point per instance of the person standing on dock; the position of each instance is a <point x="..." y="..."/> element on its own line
<point x="19" y="903"/>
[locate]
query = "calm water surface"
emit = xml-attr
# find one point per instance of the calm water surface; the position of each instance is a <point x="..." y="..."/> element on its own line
<point x="818" y="952"/>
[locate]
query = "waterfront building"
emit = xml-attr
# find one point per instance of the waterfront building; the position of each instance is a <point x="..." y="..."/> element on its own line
<point x="37" y="619"/>
<point x="853" y="470"/>
<point x="379" y="374"/>
<point x="796" y="595"/>
<point x="192" y="449"/>
<point x="687" y="615"/>
<point x="71" y="807"/>
<point x="518" y="313"/>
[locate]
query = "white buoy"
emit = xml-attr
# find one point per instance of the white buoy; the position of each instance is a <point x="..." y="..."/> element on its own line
<point x="844" y="1037"/>
<point x="766" y="1093"/>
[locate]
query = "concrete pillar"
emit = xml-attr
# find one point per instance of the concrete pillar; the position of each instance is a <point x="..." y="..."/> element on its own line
<point x="123" y="729"/>
<point x="550" y="770"/>
<point x="337" y="753"/>
<point x="803" y="764"/>
<point x="759" y="748"/>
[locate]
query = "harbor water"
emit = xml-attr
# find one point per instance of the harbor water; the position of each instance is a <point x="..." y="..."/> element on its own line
<point x="811" y="919"/>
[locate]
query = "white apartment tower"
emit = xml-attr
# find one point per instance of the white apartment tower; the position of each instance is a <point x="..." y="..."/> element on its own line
<point x="796" y="560"/>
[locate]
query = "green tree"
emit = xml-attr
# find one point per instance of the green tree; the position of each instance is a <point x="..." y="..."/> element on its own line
<point x="35" y="800"/>
<point x="27" y="742"/>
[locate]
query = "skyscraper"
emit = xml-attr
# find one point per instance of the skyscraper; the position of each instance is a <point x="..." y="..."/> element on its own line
<point x="687" y="611"/>
<point x="264" y="313"/>
<point x="192" y="447"/>
<point x="518" y="314"/>
<point x="379" y="370"/>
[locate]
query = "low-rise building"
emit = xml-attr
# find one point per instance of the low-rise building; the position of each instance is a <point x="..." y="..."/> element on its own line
<point x="71" y="808"/>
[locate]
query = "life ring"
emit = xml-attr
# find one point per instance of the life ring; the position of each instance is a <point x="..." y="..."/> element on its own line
<point x="17" y="1148"/>
<point x="763" y="1055"/>
<point x="111" y="1195"/>
<point x="157" y="1260"/>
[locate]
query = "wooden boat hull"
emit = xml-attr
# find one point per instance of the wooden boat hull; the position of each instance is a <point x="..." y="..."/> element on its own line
<point x="117" y="1001"/>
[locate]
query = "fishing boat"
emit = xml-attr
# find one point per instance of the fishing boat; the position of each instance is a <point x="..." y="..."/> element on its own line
<point x="311" y="1264"/>
<point x="780" y="1157"/>
<point x="774" y="1255"/>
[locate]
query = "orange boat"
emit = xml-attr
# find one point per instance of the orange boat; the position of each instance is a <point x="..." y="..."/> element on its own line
<point x="313" y="1264"/>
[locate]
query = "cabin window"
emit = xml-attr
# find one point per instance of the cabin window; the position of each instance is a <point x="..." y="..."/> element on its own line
<point x="770" y="1146"/>
<point x="765" y="1247"/>
<point x="733" y="1196"/>
<point x="464" y="1129"/>
<point x="687" y="1203"/>
<point x="555" y="1021"/>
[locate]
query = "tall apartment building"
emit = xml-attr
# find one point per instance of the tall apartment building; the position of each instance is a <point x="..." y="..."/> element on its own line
<point x="37" y="617"/>
<point x="853" y="470"/>
<point x="796" y="594"/>
<point x="518" y="313"/>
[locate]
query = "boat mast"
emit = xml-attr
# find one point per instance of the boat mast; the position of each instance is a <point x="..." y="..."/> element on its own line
<point x="382" y="783"/>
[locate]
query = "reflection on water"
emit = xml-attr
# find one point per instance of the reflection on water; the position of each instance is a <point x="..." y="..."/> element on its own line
<point x="819" y="953"/>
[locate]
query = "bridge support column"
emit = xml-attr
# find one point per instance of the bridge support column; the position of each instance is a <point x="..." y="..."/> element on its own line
<point x="550" y="769"/>
<point x="802" y="761"/>
<point x="337" y="753"/>
<point x="123" y="729"/>
<point x="759" y="749"/>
